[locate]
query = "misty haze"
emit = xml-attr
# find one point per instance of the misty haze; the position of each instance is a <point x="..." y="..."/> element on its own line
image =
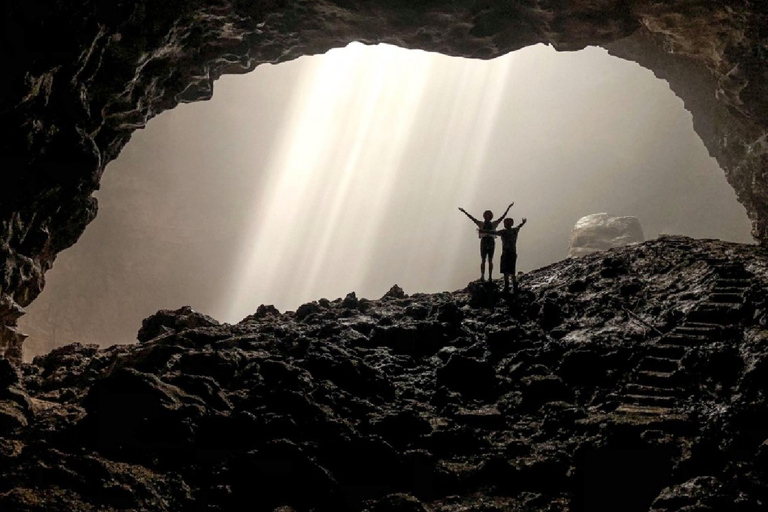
<point x="343" y="172"/>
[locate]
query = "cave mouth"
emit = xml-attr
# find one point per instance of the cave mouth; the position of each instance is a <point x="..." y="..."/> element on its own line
<point x="185" y="216"/>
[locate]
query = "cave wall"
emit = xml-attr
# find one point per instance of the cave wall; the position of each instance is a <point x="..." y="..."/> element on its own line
<point x="78" y="79"/>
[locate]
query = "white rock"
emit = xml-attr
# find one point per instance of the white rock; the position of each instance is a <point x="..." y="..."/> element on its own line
<point x="600" y="231"/>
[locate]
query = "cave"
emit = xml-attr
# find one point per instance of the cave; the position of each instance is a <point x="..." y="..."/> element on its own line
<point x="428" y="402"/>
<point x="563" y="134"/>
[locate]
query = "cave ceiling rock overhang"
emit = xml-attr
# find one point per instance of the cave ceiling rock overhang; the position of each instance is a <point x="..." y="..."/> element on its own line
<point x="79" y="78"/>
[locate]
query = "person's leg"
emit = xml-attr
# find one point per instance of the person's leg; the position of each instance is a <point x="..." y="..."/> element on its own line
<point x="514" y="272"/>
<point x="506" y="282"/>
<point x="491" y="247"/>
<point x="486" y="252"/>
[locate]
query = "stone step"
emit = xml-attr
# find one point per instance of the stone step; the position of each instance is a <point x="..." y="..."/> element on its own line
<point x="643" y="410"/>
<point x="732" y="272"/>
<point x="685" y="340"/>
<point x="653" y="400"/>
<point x="668" y="351"/>
<point x="734" y="283"/>
<point x="638" y="389"/>
<point x="656" y="379"/>
<point x="716" y="313"/>
<point x="698" y="329"/>
<point x="729" y="289"/>
<point x="715" y="260"/>
<point x="660" y="364"/>
<point x="716" y="329"/>
<point x="727" y="298"/>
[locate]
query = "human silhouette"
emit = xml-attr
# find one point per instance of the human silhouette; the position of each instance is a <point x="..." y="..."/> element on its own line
<point x="486" y="230"/>
<point x="509" y="252"/>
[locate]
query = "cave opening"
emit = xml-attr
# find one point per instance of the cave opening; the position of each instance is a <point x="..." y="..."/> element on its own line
<point x="339" y="187"/>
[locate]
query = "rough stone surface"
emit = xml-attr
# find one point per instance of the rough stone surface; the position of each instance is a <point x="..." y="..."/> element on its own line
<point x="385" y="408"/>
<point x="79" y="78"/>
<point x="600" y="231"/>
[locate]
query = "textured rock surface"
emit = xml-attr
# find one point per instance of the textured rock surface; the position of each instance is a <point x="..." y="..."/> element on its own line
<point x="601" y="231"/>
<point x="631" y="379"/>
<point x="78" y="79"/>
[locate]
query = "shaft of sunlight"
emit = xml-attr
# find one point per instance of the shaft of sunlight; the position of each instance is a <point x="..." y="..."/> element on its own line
<point x="353" y="156"/>
<point x="333" y="166"/>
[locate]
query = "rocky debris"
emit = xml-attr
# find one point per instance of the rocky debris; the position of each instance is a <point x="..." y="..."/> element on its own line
<point x="600" y="231"/>
<point x="166" y="322"/>
<point x="426" y="403"/>
<point x="394" y="293"/>
<point x="80" y="80"/>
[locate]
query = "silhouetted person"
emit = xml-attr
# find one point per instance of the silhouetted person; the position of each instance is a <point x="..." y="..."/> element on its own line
<point x="486" y="230"/>
<point x="509" y="251"/>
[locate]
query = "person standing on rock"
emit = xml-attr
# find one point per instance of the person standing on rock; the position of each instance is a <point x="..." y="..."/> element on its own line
<point x="509" y="252"/>
<point x="486" y="230"/>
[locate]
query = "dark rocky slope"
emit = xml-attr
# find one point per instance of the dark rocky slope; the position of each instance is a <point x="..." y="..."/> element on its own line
<point x="633" y="380"/>
<point x="79" y="77"/>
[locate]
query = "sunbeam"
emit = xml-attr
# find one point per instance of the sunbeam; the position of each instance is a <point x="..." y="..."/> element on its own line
<point x="340" y="168"/>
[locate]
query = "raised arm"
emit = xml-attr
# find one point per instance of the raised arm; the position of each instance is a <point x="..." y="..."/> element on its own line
<point x="462" y="210"/>
<point x="522" y="223"/>
<point x="503" y="215"/>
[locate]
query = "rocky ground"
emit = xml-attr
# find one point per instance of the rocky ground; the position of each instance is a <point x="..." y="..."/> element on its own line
<point x="633" y="380"/>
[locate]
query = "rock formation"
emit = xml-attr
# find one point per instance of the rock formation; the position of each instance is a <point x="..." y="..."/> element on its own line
<point x="78" y="79"/>
<point x="600" y="231"/>
<point x="631" y="379"/>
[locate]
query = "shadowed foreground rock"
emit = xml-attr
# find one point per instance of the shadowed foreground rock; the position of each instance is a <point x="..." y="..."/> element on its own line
<point x="79" y="77"/>
<point x="632" y="379"/>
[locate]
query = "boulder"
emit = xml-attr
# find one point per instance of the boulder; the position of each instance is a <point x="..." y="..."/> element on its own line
<point x="601" y="231"/>
<point x="394" y="293"/>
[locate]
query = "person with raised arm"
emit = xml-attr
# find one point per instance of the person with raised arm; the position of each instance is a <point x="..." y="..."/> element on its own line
<point x="486" y="230"/>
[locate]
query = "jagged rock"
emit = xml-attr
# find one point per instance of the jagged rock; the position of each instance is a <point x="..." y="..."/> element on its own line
<point x="600" y="231"/>
<point x="394" y="293"/>
<point x="489" y="409"/>
<point x="8" y="373"/>
<point x="137" y="412"/>
<point x="12" y="417"/>
<point x="167" y="320"/>
<point x="467" y="375"/>
<point x="699" y="493"/>
<point x="541" y="389"/>
<point x="310" y="308"/>
<point x="502" y="341"/>
<point x="350" y="301"/>
<point x="265" y="312"/>
<point x="450" y="312"/>
<point x="482" y="294"/>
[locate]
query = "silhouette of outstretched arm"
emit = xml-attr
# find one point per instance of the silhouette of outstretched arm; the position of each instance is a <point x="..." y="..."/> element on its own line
<point x="522" y="223"/>
<point x="462" y="210"/>
<point x="505" y="213"/>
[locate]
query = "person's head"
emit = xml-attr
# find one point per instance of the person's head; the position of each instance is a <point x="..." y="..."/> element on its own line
<point x="508" y="222"/>
<point x="488" y="215"/>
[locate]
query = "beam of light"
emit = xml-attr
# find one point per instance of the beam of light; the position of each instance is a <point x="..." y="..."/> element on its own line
<point x="344" y="164"/>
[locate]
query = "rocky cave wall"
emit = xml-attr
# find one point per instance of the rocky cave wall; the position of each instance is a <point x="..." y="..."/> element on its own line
<point x="78" y="79"/>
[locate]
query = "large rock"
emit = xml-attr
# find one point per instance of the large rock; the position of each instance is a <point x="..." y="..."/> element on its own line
<point x="601" y="231"/>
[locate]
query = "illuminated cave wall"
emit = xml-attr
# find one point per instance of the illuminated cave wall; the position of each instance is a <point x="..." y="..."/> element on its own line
<point x="80" y="78"/>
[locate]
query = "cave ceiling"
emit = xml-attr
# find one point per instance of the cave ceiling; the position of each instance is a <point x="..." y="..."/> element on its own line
<point x="79" y="78"/>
